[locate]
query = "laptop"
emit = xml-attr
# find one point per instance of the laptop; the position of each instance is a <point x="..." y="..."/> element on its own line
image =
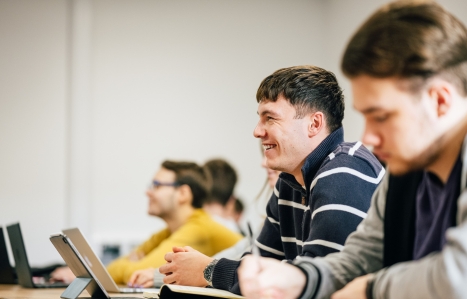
<point x="95" y="264"/>
<point x="85" y="277"/>
<point x="7" y="273"/>
<point x="23" y="270"/>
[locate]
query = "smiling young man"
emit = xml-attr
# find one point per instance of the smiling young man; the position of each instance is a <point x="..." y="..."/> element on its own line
<point x="408" y="69"/>
<point x="325" y="186"/>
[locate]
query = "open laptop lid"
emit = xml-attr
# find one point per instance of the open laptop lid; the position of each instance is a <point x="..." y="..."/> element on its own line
<point x="85" y="278"/>
<point x="91" y="259"/>
<point x="7" y="275"/>
<point x="19" y="253"/>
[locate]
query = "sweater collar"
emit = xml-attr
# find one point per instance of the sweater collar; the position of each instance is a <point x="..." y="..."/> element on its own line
<point x="314" y="160"/>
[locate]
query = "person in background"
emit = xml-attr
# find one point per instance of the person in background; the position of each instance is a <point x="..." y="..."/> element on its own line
<point x="221" y="201"/>
<point x="150" y="277"/>
<point x="235" y="252"/>
<point x="176" y="195"/>
<point x="408" y="68"/>
<point x="238" y="210"/>
<point x="325" y="186"/>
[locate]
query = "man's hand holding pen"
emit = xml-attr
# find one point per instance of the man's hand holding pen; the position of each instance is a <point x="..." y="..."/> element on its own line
<point x="261" y="277"/>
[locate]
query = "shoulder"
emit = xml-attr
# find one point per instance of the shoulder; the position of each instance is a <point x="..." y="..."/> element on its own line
<point x="352" y="157"/>
<point x="202" y="223"/>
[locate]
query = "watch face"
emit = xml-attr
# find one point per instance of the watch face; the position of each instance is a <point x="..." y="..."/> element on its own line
<point x="208" y="271"/>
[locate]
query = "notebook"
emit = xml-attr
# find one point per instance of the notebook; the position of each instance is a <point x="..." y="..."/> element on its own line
<point x="85" y="278"/>
<point x="7" y="273"/>
<point x="95" y="264"/>
<point x="185" y="292"/>
<point x="23" y="270"/>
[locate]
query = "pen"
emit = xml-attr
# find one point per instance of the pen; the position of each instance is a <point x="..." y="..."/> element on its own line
<point x="254" y="248"/>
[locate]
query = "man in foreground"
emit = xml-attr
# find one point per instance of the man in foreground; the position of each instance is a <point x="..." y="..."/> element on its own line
<point x="323" y="192"/>
<point x="408" y="69"/>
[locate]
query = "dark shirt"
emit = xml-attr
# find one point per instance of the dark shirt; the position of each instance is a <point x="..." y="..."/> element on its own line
<point x="316" y="219"/>
<point x="435" y="211"/>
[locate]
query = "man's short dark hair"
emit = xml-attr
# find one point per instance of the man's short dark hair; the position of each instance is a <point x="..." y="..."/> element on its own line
<point x="309" y="89"/>
<point x="193" y="175"/>
<point x="410" y="40"/>
<point x="224" y="178"/>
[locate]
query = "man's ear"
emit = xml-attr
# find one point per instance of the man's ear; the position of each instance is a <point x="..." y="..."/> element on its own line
<point x="316" y="123"/>
<point x="185" y="195"/>
<point x="441" y="94"/>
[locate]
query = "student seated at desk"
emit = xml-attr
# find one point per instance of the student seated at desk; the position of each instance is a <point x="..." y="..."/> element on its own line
<point x="325" y="186"/>
<point x="221" y="200"/>
<point x="176" y="195"/>
<point x="408" y="69"/>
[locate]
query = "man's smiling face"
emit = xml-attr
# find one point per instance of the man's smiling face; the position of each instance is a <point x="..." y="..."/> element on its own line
<point x="284" y="137"/>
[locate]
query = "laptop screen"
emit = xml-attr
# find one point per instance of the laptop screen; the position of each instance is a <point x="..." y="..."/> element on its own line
<point x="7" y="275"/>
<point x="19" y="253"/>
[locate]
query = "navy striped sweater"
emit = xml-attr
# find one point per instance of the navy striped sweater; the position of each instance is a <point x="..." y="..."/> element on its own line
<point x="315" y="219"/>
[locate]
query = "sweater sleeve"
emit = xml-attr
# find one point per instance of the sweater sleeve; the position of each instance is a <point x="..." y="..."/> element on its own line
<point x="438" y="275"/>
<point x="193" y="234"/>
<point x="118" y="268"/>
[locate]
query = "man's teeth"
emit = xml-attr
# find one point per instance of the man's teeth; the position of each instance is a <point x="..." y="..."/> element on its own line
<point x="266" y="147"/>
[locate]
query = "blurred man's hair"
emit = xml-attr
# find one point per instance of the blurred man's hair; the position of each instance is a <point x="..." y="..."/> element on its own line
<point x="224" y="178"/>
<point x="192" y="175"/>
<point x="413" y="40"/>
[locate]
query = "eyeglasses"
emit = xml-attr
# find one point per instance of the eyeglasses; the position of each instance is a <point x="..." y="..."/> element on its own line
<point x="156" y="184"/>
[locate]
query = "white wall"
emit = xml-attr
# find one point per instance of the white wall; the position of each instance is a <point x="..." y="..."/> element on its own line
<point x="95" y="94"/>
<point x="33" y="124"/>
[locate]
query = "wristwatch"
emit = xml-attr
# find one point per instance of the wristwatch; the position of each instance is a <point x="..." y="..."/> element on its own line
<point x="209" y="270"/>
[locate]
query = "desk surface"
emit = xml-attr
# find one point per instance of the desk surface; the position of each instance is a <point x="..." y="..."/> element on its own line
<point x="17" y="292"/>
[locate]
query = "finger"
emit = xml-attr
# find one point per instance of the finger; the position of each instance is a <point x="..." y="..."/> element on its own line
<point x="271" y="293"/>
<point x="148" y="284"/>
<point x="133" y="278"/>
<point x="165" y="269"/>
<point x="169" y="256"/>
<point x="178" y="249"/>
<point x="139" y="279"/>
<point x="169" y="279"/>
<point x="188" y="249"/>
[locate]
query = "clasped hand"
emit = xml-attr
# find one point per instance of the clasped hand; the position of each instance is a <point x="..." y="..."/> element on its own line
<point x="185" y="266"/>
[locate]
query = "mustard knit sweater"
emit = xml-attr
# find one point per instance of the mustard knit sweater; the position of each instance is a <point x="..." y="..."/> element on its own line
<point x="200" y="232"/>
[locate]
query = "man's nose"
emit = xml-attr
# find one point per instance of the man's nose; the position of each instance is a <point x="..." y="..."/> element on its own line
<point x="259" y="131"/>
<point x="370" y="137"/>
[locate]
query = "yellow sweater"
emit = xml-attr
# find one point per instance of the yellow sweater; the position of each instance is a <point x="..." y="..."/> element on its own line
<point x="200" y="232"/>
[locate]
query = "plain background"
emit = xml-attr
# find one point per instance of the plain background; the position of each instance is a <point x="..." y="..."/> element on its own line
<point x="94" y="95"/>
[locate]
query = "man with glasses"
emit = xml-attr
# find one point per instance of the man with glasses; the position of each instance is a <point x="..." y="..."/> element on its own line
<point x="176" y="195"/>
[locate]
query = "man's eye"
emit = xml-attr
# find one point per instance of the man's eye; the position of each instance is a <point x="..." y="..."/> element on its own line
<point x="381" y="118"/>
